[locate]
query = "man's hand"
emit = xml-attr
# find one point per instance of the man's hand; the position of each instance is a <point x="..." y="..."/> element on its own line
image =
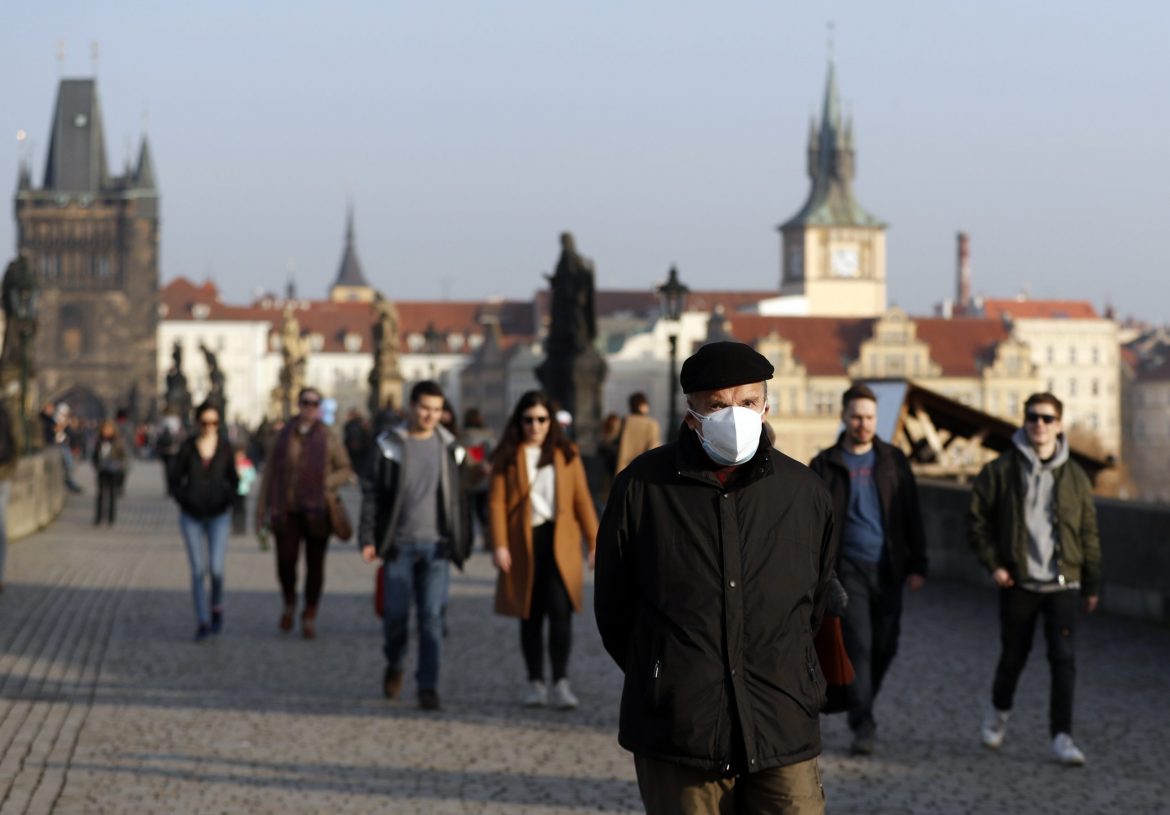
<point x="503" y="559"/>
<point x="915" y="581"/>
<point x="369" y="553"/>
<point x="1002" y="578"/>
<point x="1091" y="603"/>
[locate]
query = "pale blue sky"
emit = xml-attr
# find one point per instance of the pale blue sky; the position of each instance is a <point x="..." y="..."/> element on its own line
<point x="469" y="134"/>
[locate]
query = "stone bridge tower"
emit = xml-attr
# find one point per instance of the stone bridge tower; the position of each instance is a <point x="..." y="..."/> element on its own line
<point x="92" y="239"/>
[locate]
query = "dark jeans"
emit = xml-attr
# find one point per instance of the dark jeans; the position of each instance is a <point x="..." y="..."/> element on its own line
<point x="240" y="515"/>
<point x="314" y="531"/>
<point x="107" y="497"/>
<point x="419" y="571"/>
<point x="550" y="599"/>
<point x="870" y="626"/>
<point x="1018" y="611"/>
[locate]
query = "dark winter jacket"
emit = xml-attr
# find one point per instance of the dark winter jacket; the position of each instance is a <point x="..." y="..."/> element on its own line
<point x="203" y="491"/>
<point x="382" y="498"/>
<point x="905" y="547"/>
<point x="708" y="597"/>
<point x="998" y="534"/>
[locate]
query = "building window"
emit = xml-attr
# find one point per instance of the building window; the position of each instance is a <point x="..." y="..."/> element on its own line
<point x="353" y="343"/>
<point x="1072" y="355"/>
<point x="72" y="331"/>
<point x="316" y="342"/>
<point x="1072" y="387"/>
<point x="1094" y="388"/>
<point x="1051" y="354"/>
<point x="1096" y="355"/>
<point x="1051" y="386"/>
<point x="824" y="403"/>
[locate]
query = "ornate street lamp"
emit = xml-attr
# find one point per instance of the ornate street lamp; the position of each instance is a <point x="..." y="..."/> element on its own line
<point x="674" y="299"/>
<point x="20" y="294"/>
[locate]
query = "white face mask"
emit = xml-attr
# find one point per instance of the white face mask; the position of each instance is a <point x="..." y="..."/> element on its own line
<point x="731" y="435"/>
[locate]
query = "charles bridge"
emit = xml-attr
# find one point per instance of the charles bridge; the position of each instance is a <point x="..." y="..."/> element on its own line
<point x="107" y="706"/>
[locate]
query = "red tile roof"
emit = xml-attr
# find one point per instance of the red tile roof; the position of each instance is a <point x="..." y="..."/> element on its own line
<point x="827" y="345"/>
<point x="334" y="320"/>
<point x="1042" y="309"/>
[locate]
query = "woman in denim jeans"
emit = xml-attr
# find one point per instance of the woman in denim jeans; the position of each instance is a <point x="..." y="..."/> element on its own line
<point x="204" y="482"/>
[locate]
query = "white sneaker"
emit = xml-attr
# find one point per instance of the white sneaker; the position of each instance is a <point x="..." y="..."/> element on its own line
<point x="1067" y="752"/>
<point x="562" y="696"/>
<point x="994" y="727"/>
<point x="536" y="695"/>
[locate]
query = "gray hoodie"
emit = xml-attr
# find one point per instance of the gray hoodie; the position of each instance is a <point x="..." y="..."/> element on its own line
<point x="1038" y="484"/>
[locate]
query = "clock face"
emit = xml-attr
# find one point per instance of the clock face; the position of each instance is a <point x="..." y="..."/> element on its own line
<point x="845" y="262"/>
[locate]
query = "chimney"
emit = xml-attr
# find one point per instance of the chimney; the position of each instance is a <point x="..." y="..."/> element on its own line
<point x="963" y="284"/>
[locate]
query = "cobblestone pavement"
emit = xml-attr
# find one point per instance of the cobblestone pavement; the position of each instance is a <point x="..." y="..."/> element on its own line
<point x="107" y="706"/>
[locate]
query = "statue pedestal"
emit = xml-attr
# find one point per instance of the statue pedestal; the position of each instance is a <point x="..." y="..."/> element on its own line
<point x="575" y="381"/>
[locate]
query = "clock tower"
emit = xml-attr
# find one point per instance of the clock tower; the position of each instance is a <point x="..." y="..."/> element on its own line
<point x="833" y="252"/>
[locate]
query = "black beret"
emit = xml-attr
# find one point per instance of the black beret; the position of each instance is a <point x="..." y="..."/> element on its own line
<point x="719" y="365"/>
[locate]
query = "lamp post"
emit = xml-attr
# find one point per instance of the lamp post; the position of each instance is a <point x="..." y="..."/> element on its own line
<point x="431" y="337"/>
<point x="20" y="307"/>
<point x="674" y="296"/>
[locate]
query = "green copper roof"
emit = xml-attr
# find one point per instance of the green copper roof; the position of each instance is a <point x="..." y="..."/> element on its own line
<point x="831" y="168"/>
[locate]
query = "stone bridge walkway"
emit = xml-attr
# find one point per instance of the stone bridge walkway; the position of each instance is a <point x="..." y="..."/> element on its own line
<point x="107" y="706"/>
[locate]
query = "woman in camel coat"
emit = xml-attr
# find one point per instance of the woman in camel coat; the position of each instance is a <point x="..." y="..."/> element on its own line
<point x="540" y="510"/>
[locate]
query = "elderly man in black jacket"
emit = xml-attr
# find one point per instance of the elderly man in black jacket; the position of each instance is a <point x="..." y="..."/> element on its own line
<point x="713" y="561"/>
<point x="882" y="547"/>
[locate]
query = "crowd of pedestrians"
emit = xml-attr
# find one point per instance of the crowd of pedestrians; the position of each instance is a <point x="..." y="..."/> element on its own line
<point x="717" y="556"/>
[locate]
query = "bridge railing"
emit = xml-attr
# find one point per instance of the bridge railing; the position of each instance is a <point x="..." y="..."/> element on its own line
<point x="38" y="493"/>
<point x="1135" y="549"/>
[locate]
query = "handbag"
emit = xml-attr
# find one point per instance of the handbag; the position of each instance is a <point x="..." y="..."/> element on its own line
<point x="380" y="591"/>
<point x="829" y="643"/>
<point x="339" y="521"/>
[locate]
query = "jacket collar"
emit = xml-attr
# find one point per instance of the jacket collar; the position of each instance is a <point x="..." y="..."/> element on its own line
<point x="836" y="453"/>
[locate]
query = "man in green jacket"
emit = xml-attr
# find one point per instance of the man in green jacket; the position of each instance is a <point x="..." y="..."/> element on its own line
<point x="1033" y="525"/>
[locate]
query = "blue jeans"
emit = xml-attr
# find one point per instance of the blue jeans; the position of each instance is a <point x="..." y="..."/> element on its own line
<point x="214" y="531"/>
<point x="5" y="494"/>
<point x="420" y="571"/>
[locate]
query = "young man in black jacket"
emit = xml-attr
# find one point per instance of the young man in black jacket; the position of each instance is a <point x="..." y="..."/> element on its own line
<point x="713" y="561"/>
<point x="882" y="547"/>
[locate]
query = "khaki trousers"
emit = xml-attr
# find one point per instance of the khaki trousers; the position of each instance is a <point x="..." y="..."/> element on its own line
<point x="672" y="789"/>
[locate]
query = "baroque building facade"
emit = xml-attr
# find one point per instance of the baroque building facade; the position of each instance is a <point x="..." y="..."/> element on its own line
<point x="93" y="241"/>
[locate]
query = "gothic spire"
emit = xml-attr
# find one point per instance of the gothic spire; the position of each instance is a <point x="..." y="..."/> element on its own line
<point x="350" y="271"/>
<point x="830" y="167"/>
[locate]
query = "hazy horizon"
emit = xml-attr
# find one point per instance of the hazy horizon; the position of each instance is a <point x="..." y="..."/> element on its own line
<point x="468" y="136"/>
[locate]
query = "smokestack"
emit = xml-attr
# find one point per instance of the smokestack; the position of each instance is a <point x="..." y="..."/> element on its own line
<point x="963" y="284"/>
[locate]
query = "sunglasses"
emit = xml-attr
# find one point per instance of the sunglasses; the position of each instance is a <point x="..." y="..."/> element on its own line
<point x="210" y="424"/>
<point x="535" y="419"/>
<point x="310" y="403"/>
<point x="1033" y="418"/>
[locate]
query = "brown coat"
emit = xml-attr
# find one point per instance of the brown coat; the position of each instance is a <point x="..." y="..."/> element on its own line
<point x="639" y="434"/>
<point x="510" y="517"/>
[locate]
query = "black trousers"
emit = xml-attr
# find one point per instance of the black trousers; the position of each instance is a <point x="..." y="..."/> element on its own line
<point x="1018" y="611"/>
<point x="550" y="599"/>
<point x="870" y="627"/>
<point x="314" y="531"/>
<point x="107" y="497"/>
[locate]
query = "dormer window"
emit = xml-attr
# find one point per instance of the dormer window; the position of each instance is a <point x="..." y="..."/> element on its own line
<point x="455" y="341"/>
<point x="353" y="343"/>
<point x="200" y="311"/>
<point x="416" y="342"/>
<point x="316" y="342"/>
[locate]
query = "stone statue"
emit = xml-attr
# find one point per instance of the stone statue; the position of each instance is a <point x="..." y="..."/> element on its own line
<point x="574" y="325"/>
<point x="294" y="354"/>
<point x="573" y="371"/>
<point x="20" y="294"/>
<point x="215" y="394"/>
<point x="177" y="397"/>
<point x="385" y="377"/>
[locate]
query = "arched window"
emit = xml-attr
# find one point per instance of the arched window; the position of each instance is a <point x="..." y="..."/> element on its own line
<point x="71" y="331"/>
